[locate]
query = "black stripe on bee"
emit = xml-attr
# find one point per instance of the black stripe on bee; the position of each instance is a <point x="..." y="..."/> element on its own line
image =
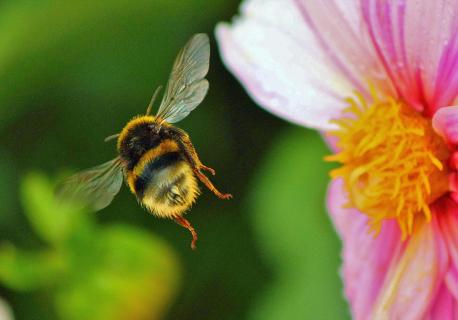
<point x="152" y="168"/>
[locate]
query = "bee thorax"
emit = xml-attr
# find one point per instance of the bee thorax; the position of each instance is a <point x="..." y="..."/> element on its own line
<point x="137" y="137"/>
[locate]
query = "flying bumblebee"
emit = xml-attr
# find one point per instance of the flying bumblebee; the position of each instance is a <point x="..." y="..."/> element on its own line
<point x="157" y="160"/>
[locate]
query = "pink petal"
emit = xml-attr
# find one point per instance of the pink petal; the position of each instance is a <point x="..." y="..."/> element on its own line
<point x="366" y="258"/>
<point x="414" y="279"/>
<point x="445" y="123"/>
<point x="451" y="280"/>
<point x="331" y="141"/>
<point x="339" y="28"/>
<point x="384" y="276"/>
<point x="417" y="41"/>
<point x="449" y="227"/>
<point x="278" y="58"/>
<point x="444" y="306"/>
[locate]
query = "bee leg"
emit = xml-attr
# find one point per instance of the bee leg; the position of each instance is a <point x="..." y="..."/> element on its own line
<point x="186" y="224"/>
<point x="197" y="165"/>
<point x="203" y="178"/>
<point x="208" y="169"/>
<point x="190" y="151"/>
<point x="195" y="161"/>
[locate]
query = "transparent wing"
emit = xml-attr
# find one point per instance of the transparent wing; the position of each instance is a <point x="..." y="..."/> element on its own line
<point x="187" y="85"/>
<point x="95" y="187"/>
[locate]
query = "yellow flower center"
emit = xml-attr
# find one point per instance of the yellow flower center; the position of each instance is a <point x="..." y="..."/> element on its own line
<point x="393" y="163"/>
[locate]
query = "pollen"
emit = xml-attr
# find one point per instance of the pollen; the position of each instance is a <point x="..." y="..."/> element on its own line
<point x="393" y="164"/>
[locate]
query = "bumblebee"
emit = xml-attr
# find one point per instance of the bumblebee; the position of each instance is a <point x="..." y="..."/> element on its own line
<point x="156" y="159"/>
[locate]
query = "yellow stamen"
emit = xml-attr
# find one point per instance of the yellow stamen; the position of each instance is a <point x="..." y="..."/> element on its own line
<point x="392" y="161"/>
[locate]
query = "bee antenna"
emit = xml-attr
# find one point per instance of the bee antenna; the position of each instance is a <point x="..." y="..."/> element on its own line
<point x="109" y="138"/>
<point x="150" y="106"/>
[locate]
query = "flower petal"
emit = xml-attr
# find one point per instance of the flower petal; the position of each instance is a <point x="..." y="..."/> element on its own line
<point x="445" y="123"/>
<point x="449" y="227"/>
<point x="385" y="277"/>
<point x="451" y="280"/>
<point x="279" y="60"/>
<point x="412" y="282"/>
<point x="421" y="58"/>
<point x="366" y="258"/>
<point x="444" y="306"/>
<point x="341" y="33"/>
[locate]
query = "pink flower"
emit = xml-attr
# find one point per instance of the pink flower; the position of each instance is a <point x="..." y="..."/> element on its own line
<point x="379" y="79"/>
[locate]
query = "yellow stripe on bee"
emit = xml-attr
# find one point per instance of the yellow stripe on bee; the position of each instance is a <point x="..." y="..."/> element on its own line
<point x="131" y="177"/>
<point x="167" y="145"/>
<point x="131" y="124"/>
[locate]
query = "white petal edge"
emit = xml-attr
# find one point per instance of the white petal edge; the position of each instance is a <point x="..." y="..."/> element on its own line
<point x="273" y="53"/>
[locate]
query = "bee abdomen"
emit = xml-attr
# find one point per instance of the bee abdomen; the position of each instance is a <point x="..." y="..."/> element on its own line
<point x="166" y="186"/>
<point x="153" y="171"/>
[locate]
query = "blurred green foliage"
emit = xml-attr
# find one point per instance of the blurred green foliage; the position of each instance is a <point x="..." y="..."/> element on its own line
<point x="293" y="230"/>
<point x="73" y="72"/>
<point x="91" y="272"/>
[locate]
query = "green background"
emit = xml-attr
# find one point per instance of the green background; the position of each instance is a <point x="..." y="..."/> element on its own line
<point x="74" y="72"/>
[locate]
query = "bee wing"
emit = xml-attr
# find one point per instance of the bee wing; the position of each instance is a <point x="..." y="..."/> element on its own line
<point x="95" y="187"/>
<point x="187" y="85"/>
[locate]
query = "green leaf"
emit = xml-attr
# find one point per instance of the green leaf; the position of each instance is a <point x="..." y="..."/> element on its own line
<point x="133" y="275"/>
<point x="24" y="271"/>
<point x="52" y="220"/>
<point x="295" y="233"/>
<point x="115" y="272"/>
